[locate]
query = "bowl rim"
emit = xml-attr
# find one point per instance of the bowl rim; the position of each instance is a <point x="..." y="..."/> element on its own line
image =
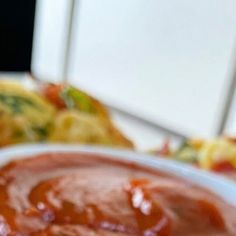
<point x="222" y="186"/>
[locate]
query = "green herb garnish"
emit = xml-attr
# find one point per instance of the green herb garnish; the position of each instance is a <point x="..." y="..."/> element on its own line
<point x="186" y="153"/>
<point x="16" y="103"/>
<point x="74" y="98"/>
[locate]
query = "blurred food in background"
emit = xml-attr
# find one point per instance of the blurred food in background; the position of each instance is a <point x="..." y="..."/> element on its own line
<point x="59" y="113"/>
<point x="24" y="115"/>
<point x="218" y="154"/>
<point x="54" y="113"/>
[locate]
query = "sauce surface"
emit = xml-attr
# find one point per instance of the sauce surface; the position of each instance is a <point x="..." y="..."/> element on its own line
<point x="74" y="194"/>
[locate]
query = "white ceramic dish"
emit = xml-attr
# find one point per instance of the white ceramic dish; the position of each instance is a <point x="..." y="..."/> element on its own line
<point x="219" y="185"/>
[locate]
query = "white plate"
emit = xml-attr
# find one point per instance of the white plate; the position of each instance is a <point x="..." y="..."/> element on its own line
<point x="221" y="186"/>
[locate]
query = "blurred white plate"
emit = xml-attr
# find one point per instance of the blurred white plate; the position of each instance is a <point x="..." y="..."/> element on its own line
<point x="219" y="185"/>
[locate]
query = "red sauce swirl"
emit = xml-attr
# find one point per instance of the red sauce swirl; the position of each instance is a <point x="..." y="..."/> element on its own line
<point x="86" y="195"/>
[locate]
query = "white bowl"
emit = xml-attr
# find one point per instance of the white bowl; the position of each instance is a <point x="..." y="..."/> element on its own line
<point x="220" y="185"/>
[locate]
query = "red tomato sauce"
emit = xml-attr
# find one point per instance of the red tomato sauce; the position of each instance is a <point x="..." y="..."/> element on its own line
<point x="74" y="194"/>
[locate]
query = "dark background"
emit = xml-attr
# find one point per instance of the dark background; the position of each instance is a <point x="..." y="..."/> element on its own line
<point x="16" y="34"/>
